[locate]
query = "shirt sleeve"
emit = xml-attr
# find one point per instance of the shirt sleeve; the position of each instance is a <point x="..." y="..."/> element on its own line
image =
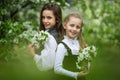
<point x="60" y="53"/>
<point x="45" y="61"/>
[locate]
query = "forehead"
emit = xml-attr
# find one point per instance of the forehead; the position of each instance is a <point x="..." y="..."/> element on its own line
<point x="47" y="13"/>
<point x="75" y="20"/>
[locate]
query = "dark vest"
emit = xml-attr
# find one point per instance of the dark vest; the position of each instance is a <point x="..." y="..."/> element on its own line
<point x="69" y="63"/>
<point x="54" y="33"/>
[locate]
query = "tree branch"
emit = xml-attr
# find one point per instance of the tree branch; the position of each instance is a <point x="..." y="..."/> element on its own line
<point x="12" y="14"/>
<point x="2" y="5"/>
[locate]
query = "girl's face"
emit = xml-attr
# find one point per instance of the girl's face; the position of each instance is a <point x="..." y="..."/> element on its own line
<point x="48" y="19"/>
<point x="73" y="27"/>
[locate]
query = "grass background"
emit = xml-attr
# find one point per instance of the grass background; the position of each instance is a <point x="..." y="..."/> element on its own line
<point x="105" y="66"/>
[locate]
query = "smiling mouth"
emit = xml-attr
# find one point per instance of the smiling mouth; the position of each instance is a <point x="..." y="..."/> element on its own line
<point x="46" y="25"/>
<point x="73" y="33"/>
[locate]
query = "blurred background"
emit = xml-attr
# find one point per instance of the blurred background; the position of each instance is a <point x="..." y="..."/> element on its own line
<point x="19" y="18"/>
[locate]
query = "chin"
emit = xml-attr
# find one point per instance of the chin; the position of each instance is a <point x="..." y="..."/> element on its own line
<point x="72" y="37"/>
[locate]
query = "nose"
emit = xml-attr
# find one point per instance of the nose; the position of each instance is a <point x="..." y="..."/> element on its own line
<point x="45" y="20"/>
<point x="74" y="28"/>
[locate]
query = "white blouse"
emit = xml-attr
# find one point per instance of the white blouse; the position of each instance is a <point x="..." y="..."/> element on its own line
<point x="45" y="61"/>
<point x="73" y="44"/>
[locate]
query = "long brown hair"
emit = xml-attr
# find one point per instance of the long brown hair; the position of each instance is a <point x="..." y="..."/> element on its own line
<point x="80" y="37"/>
<point x="58" y="16"/>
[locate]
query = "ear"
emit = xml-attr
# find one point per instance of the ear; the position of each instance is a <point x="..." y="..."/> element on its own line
<point x="64" y="25"/>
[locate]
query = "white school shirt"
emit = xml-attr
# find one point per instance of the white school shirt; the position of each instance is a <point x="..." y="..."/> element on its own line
<point x="73" y="44"/>
<point x="45" y="61"/>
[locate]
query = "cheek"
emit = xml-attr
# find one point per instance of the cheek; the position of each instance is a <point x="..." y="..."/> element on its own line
<point x="54" y="22"/>
<point x="79" y="31"/>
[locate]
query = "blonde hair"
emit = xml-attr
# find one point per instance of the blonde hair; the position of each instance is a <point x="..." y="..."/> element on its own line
<point x="80" y="37"/>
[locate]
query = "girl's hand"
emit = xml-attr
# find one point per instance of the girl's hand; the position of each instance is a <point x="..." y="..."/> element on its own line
<point x="82" y="73"/>
<point x="31" y="49"/>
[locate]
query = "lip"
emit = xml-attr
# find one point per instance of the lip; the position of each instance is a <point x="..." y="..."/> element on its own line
<point x="46" y="25"/>
<point x="73" y="33"/>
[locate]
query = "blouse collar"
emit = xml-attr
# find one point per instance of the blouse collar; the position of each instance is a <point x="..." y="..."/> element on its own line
<point x="66" y="37"/>
<point x="73" y="44"/>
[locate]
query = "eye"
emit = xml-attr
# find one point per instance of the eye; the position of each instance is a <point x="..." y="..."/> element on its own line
<point x="78" y="27"/>
<point x="72" y="25"/>
<point x="49" y="17"/>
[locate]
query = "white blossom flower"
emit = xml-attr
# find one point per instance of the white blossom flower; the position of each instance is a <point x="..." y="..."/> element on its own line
<point x="86" y="54"/>
<point x="39" y="39"/>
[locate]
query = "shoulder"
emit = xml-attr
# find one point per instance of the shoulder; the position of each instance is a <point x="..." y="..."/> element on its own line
<point x="51" y="36"/>
<point x="60" y="45"/>
<point x="54" y="33"/>
<point x="61" y="49"/>
<point x="51" y="40"/>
